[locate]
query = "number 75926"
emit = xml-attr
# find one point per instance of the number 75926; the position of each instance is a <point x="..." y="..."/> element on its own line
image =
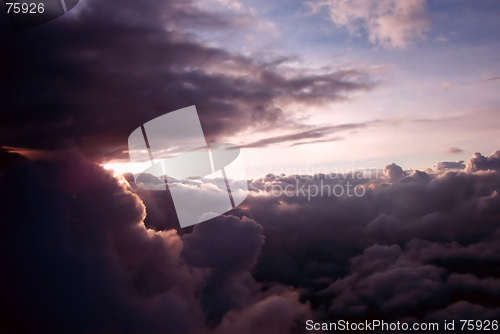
<point x="31" y="8"/>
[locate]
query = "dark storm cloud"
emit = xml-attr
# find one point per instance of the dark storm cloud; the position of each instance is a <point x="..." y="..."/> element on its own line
<point x="78" y="258"/>
<point x="73" y="242"/>
<point x="95" y="74"/>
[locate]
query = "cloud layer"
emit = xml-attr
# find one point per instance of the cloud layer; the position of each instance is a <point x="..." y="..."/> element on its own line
<point x="78" y="257"/>
<point x="77" y="254"/>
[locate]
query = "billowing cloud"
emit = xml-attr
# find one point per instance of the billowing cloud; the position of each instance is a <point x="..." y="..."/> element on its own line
<point x="83" y="250"/>
<point x="481" y="162"/>
<point x="402" y="247"/>
<point x="388" y="252"/>
<point x="388" y="23"/>
<point x="79" y="259"/>
<point x="394" y="172"/>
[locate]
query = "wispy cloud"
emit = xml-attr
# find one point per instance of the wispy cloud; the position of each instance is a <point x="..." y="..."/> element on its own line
<point x="319" y="132"/>
<point x="494" y="78"/>
<point x="318" y="141"/>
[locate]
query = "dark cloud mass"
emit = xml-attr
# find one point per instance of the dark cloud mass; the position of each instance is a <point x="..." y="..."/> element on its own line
<point x="95" y="74"/>
<point x="77" y="256"/>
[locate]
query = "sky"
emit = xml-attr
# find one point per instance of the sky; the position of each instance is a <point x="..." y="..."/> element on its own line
<point x="394" y="99"/>
<point x="332" y="84"/>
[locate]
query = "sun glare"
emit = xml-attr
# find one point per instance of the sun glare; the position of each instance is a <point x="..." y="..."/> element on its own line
<point x="127" y="167"/>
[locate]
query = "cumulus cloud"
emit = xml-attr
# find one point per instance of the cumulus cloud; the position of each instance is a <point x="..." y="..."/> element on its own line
<point x="388" y="23"/>
<point x="394" y="172"/>
<point x="399" y="252"/>
<point x="481" y="162"/>
<point x="275" y="314"/>
<point x="413" y="247"/>
<point x="83" y="250"/>
<point x="80" y="259"/>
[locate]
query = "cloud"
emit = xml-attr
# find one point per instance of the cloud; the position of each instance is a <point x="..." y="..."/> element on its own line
<point x="413" y="247"/>
<point x="480" y="162"/>
<point x="317" y="141"/>
<point x="392" y="291"/>
<point x="318" y="132"/>
<point x="229" y="247"/>
<point x="445" y="165"/>
<point x="78" y="255"/>
<point x="124" y="63"/>
<point x="494" y="78"/>
<point x="388" y="252"/>
<point x="278" y="314"/>
<point x="83" y="250"/>
<point x="81" y="244"/>
<point x="388" y="23"/>
<point x="9" y="158"/>
<point x="462" y="309"/>
<point x="455" y="150"/>
<point x="394" y="172"/>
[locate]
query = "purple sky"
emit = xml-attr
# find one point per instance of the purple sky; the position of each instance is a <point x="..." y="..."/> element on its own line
<point x="309" y="88"/>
